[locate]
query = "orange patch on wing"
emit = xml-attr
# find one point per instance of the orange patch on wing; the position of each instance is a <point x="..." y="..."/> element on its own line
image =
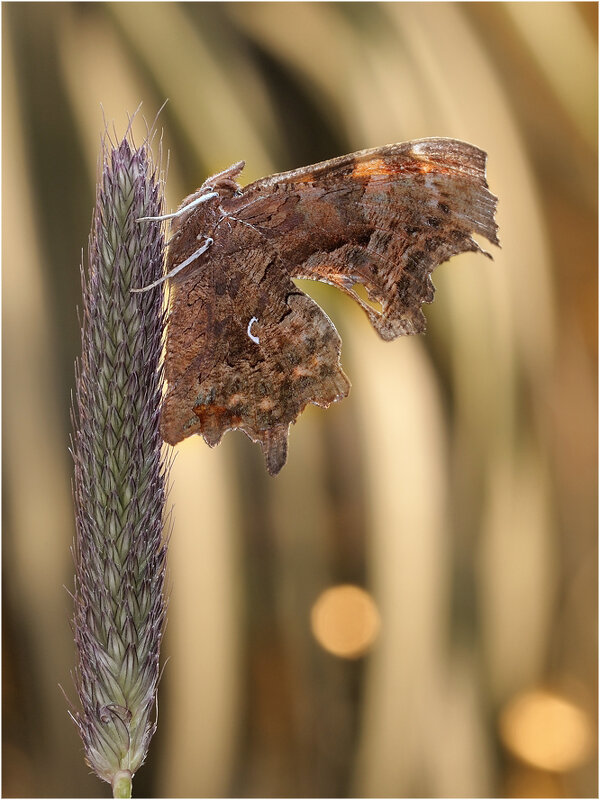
<point x="372" y="169"/>
<point x="211" y="416"/>
<point x="309" y="177"/>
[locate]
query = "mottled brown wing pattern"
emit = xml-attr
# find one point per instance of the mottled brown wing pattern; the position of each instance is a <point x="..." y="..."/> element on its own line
<point x="383" y="218"/>
<point x="250" y="356"/>
<point x="245" y="348"/>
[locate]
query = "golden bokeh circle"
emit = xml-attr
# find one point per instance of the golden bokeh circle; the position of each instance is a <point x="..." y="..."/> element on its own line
<point x="345" y="621"/>
<point x="546" y="730"/>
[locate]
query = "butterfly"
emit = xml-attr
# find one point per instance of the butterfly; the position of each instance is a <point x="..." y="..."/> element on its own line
<point x="246" y="348"/>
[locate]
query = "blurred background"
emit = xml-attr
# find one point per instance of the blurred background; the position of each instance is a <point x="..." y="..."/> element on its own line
<point x="409" y="608"/>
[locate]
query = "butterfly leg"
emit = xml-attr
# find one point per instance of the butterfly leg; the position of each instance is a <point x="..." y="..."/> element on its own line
<point x="183" y="210"/>
<point x="179" y="267"/>
<point x="226" y="215"/>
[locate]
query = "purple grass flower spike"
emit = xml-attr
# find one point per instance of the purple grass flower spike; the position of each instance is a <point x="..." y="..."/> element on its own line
<point x="120" y="477"/>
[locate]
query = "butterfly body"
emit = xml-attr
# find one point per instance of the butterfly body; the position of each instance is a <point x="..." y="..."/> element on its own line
<point x="245" y="347"/>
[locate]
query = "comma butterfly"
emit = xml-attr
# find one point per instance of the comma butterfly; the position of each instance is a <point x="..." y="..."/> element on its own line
<point x="245" y="347"/>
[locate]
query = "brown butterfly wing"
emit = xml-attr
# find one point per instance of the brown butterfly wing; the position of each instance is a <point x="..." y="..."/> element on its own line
<point x="246" y="349"/>
<point x="383" y="218"/>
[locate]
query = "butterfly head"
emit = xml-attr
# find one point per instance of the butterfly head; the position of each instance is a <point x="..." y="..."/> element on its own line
<point x="224" y="183"/>
<point x="206" y="200"/>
